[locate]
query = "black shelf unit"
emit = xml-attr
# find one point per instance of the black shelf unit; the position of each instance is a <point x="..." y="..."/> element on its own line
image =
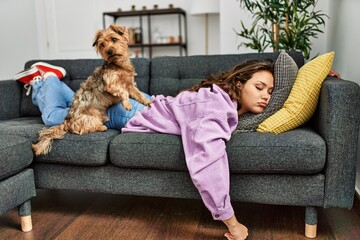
<point x="182" y="41"/>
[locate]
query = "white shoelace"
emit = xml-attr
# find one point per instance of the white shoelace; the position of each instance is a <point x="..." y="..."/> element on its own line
<point x="32" y="82"/>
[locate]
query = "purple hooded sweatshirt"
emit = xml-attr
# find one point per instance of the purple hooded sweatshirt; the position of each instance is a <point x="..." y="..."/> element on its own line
<point x="205" y="120"/>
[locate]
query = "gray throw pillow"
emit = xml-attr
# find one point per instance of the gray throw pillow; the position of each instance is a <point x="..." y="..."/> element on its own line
<point x="285" y="72"/>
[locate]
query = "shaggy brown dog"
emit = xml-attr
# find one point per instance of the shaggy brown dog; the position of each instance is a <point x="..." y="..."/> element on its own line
<point x="110" y="84"/>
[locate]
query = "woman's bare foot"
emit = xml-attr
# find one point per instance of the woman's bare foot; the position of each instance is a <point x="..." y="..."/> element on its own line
<point x="237" y="231"/>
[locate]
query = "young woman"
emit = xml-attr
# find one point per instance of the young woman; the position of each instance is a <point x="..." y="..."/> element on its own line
<point x="204" y="115"/>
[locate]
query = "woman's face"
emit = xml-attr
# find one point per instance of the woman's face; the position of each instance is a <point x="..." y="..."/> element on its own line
<point x="256" y="92"/>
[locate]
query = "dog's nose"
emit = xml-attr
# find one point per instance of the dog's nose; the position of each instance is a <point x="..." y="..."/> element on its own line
<point x="110" y="52"/>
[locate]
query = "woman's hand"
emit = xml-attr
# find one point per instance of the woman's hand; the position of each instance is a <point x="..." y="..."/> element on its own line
<point x="334" y="73"/>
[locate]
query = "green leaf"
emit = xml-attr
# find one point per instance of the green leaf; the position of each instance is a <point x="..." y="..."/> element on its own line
<point x="304" y="24"/>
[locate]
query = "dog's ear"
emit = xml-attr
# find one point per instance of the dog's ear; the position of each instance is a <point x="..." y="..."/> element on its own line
<point x="97" y="36"/>
<point x="121" y="30"/>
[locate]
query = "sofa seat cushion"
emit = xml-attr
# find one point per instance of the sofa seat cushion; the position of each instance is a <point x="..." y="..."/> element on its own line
<point x="27" y="127"/>
<point x="141" y="150"/>
<point x="87" y="150"/>
<point x="300" y="151"/>
<point x="15" y="154"/>
<point x="83" y="150"/>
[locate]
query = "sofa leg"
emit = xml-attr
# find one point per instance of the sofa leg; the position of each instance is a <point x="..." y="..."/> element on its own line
<point x="310" y="230"/>
<point x="310" y="222"/>
<point x="26" y="223"/>
<point x="25" y="215"/>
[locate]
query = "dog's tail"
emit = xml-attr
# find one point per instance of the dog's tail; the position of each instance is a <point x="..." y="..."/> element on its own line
<point x="46" y="137"/>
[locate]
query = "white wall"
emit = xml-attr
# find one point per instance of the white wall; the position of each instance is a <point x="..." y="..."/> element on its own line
<point x="25" y="33"/>
<point x="229" y="23"/>
<point x="340" y="33"/>
<point x="344" y="37"/>
<point x="18" y="41"/>
<point x="38" y="29"/>
<point x="29" y="34"/>
<point x="233" y="15"/>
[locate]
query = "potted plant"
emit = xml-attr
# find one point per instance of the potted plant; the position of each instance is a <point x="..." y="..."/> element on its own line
<point x="282" y="25"/>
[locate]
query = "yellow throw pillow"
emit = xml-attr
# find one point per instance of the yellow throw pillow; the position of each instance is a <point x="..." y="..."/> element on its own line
<point x="303" y="98"/>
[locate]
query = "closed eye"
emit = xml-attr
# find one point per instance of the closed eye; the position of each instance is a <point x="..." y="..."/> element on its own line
<point x="260" y="86"/>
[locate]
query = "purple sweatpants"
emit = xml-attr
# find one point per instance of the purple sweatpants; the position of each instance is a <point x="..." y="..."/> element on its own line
<point x="205" y="120"/>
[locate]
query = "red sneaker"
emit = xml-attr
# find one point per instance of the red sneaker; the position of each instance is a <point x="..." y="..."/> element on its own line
<point x="27" y="75"/>
<point x="46" y="67"/>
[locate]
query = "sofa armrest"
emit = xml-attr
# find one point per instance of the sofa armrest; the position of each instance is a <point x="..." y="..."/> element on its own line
<point x="10" y="95"/>
<point x="337" y="121"/>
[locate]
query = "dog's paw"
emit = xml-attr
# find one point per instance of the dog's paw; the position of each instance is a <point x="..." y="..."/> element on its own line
<point x="116" y="94"/>
<point x="148" y="102"/>
<point x="127" y="105"/>
<point x="101" y="128"/>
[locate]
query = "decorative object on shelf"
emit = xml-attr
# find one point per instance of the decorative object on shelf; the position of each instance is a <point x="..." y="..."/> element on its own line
<point x="200" y="7"/>
<point x="138" y="37"/>
<point x="283" y="25"/>
<point x="164" y="40"/>
<point x="131" y="32"/>
<point x="144" y="8"/>
<point x="156" y="6"/>
<point x="156" y="36"/>
<point x="179" y="39"/>
<point x="137" y="53"/>
<point x="171" y="5"/>
<point x="119" y="9"/>
<point x="133" y="8"/>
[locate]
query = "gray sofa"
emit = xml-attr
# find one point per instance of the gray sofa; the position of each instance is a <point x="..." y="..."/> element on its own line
<point x="311" y="166"/>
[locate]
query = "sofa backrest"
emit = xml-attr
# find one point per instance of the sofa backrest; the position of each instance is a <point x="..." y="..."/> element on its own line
<point x="78" y="70"/>
<point x="163" y="75"/>
<point x="170" y="75"/>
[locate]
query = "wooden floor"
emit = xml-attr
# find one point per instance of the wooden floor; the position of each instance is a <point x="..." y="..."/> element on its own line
<point x="78" y="215"/>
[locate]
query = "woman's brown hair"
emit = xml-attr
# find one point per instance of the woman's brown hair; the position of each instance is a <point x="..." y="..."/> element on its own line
<point x="242" y="72"/>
